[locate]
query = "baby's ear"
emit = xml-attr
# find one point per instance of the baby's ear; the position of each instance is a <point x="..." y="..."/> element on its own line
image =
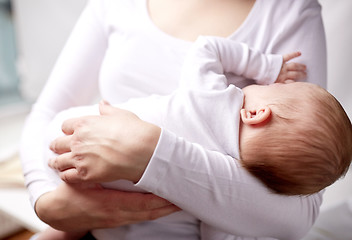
<point x="257" y="116"/>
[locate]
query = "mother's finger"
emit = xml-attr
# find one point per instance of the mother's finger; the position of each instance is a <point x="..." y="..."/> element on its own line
<point x="70" y="125"/>
<point x="61" y="144"/>
<point x="62" y="162"/>
<point x="70" y="176"/>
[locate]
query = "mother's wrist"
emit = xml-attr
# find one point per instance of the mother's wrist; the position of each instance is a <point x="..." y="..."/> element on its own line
<point x="146" y="144"/>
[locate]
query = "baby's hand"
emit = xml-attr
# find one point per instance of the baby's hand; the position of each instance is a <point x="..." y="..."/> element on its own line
<point x="291" y="71"/>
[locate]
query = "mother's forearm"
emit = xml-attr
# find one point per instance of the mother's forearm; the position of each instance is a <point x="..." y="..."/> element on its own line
<point x="217" y="190"/>
<point x="81" y="207"/>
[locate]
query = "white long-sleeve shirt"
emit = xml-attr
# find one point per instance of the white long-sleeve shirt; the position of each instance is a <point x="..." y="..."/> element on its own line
<point x="118" y="60"/>
<point x="203" y="88"/>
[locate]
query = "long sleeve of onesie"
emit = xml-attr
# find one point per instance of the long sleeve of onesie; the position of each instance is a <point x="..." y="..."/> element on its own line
<point x="217" y="190"/>
<point x="211" y="57"/>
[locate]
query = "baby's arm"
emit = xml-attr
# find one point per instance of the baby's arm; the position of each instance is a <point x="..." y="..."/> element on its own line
<point x="211" y="57"/>
<point x="240" y="59"/>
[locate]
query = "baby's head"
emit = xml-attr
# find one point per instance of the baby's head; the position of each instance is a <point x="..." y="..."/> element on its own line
<point x="296" y="138"/>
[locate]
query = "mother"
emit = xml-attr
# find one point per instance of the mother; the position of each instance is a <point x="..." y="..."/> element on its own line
<point x="129" y="48"/>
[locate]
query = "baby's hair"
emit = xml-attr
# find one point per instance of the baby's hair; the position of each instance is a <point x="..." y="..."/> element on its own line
<point x="302" y="150"/>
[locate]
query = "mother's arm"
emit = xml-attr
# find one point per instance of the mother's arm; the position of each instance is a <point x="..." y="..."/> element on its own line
<point x="81" y="207"/>
<point x="209" y="185"/>
<point x="72" y="206"/>
<point x="220" y="192"/>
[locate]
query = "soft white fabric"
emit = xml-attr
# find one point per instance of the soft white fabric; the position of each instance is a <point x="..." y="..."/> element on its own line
<point x="115" y="50"/>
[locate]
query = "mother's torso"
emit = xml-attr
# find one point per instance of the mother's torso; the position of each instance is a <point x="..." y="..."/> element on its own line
<point x="145" y="52"/>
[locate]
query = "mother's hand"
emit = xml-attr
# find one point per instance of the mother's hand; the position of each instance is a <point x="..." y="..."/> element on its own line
<point x="81" y="207"/>
<point x="115" y="145"/>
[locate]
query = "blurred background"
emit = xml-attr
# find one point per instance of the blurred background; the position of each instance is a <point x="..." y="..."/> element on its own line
<point x="32" y="33"/>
